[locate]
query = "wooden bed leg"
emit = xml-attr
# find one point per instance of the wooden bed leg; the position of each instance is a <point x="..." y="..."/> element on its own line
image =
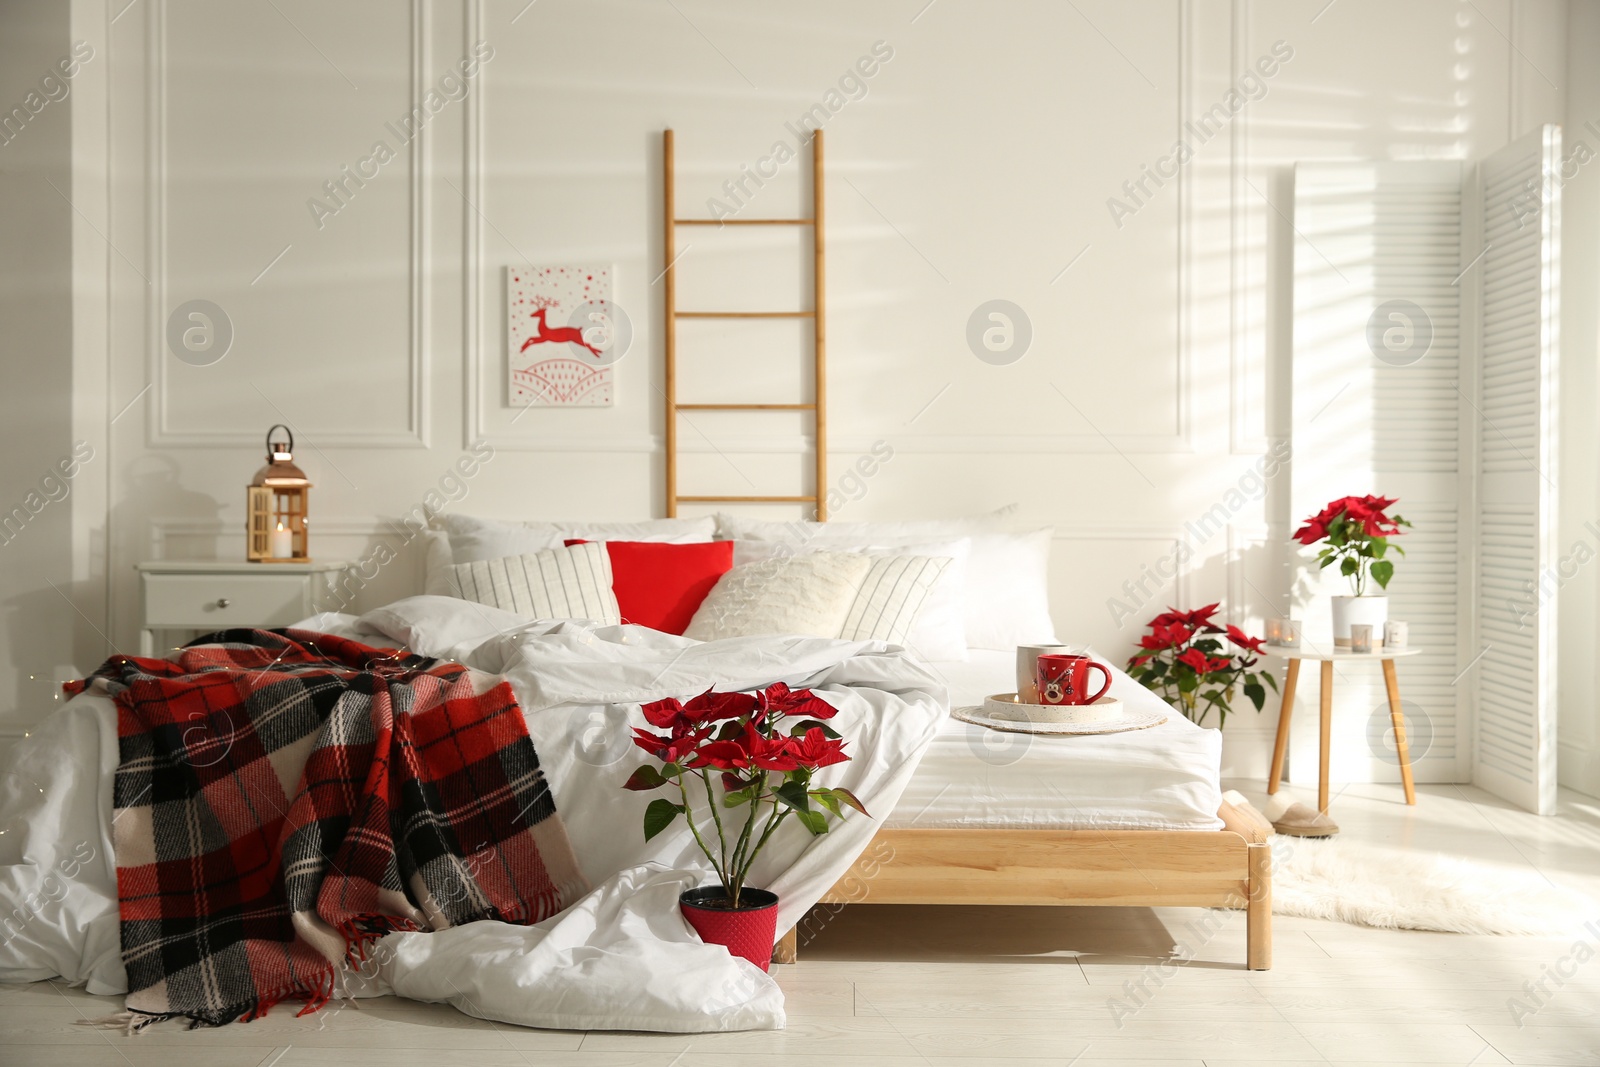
<point x="787" y="950"/>
<point x="1258" y="912"/>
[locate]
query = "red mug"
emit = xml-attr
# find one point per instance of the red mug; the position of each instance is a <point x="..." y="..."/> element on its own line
<point x="1065" y="679"/>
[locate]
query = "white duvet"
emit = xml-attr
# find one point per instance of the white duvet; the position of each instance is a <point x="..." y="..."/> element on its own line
<point x="621" y="958"/>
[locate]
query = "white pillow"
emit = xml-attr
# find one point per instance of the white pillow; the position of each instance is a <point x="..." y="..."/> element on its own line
<point x="809" y="594"/>
<point x="735" y="528"/>
<point x="939" y="631"/>
<point x="1008" y="593"/>
<point x="436" y="561"/>
<point x="558" y="583"/>
<point x="472" y="538"/>
<point x="891" y="597"/>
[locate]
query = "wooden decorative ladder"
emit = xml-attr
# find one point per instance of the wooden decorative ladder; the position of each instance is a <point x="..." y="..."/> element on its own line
<point x="817" y="314"/>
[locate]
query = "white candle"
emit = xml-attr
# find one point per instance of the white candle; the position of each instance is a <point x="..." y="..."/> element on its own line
<point x="282" y="543"/>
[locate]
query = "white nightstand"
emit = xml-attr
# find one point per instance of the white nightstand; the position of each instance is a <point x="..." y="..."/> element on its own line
<point x="202" y="596"/>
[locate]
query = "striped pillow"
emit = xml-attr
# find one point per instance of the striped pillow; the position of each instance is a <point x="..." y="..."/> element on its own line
<point x="558" y="583"/>
<point x="890" y="598"/>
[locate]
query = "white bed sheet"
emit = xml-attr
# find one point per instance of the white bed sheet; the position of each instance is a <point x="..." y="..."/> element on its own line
<point x="1166" y="777"/>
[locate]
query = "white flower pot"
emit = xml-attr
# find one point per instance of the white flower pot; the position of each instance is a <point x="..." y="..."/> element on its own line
<point x="1359" y="610"/>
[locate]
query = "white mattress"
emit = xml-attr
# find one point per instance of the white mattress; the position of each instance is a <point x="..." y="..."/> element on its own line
<point x="1163" y="778"/>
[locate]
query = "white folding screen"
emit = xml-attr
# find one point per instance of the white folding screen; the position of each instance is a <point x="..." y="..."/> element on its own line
<point x="1518" y="288"/>
<point x="1376" y="359"/>
<point x="1424" y="362"/>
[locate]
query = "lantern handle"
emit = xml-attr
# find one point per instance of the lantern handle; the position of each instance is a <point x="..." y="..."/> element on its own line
<point x="285" y="429"/>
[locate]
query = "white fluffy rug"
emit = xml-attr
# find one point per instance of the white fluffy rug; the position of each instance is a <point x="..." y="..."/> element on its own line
<point x="1371" y="885"/>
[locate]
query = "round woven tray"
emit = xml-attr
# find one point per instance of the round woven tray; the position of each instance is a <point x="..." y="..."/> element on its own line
<point x="1002" y="712"/>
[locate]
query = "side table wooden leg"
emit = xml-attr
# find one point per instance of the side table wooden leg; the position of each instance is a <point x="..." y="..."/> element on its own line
<point x="1327" y="735"/>
<point x="1397" y="718"/>
<point x="1285" y="711"/>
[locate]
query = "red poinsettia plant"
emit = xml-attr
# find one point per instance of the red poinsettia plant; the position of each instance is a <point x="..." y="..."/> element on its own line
<point x="1195" y="665"/>
<point x="762" y="750"/>
<point x="1357" y="531"/>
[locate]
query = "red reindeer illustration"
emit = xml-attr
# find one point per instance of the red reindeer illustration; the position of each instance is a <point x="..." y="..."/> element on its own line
<point x="548" y="334"/>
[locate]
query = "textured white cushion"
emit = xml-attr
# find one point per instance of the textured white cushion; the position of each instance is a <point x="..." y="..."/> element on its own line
<point x="939" y="631"/>
<point x="891" y="597"/>
<point x="810" y="594"/>
<point x="1008" y="591"/>
<point x="558" y="583"/>
<point x="472" y="538"/>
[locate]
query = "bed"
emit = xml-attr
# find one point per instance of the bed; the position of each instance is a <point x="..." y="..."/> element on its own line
<point x="1133" y="819"/>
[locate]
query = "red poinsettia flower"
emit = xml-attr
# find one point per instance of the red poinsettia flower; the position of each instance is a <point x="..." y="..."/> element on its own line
<point x="1202" y="616"/>
<point x="711" y="706"/>
<point x="1202" y="663"/>
<point x="769" y="753"/>
<point x="779" y="698"/>
<point x="722" y="755"/>
<point x="670" y="749"/>
<point x="1368" y="512"/>
<point x="1244" y="640"/>
<point x="816" y="749"/>
<point x="663" y="713"/>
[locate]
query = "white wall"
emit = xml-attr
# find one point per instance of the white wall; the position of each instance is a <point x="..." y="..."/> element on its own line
<point x="977" y="165"/>
<point x="1579" y="593"/>
<point x="36" y="502"/>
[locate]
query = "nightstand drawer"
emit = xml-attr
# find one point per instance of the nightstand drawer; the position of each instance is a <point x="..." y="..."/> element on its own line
<point x="214" y="602"/>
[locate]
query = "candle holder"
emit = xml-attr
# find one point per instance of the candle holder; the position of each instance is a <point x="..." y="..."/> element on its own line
<point x="1274" y="631"/>
<point x="277" y="502"/>
<point x="1396" y="634"/>
<point x="1361" y="637"/>
<point x="1291" y="633"/>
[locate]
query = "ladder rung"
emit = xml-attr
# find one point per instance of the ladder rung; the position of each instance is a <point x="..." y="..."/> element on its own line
<point x="744" y="314"/>
<point x="746" y="407"/>
<point x="741" y="222"/>
<point x="746" y="499"/>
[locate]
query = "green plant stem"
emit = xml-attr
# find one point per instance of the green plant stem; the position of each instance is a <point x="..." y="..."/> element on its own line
<point x="779" y="813"/>
<point x="740" y="867"/>
<point x="716" y="817"/>
<point x="688" y="817"/>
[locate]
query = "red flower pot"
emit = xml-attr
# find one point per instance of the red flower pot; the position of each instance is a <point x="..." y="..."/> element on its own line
<point x="748" y="930"/>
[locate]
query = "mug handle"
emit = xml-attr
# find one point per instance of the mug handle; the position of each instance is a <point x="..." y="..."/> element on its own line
<point x="1101" y="667"/>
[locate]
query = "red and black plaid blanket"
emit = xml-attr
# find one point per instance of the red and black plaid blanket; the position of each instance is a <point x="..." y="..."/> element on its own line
<point x="286" y="797"/>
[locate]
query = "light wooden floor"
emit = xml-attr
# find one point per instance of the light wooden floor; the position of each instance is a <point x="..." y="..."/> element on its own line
<point x="900" y="986"/>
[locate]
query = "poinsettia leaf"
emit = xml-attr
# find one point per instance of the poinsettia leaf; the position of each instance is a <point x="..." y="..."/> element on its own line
<point x="671" y="770"/>
<point x="734" y="800"/>
<point x="799" y="729"/>
<point x="793" y="793"/>
<point x="1208" y="645"/>
<point x="826" y="798"/>
<point x="1349" y="566"/>
<point x="1378" y="545"/>
<point x="1398" y="548"/>
<point x="1256" y="693"/>
<point x="730" y="730"/>
<point x="814" y="821"/>
<point x="646" y="777"/>
<point x="849" y="798"/>
<point x="1382" y="571"/>
<point x="1271" y="680"/>
<point x="659" y="815"/>
<point x="1158" y="667"/>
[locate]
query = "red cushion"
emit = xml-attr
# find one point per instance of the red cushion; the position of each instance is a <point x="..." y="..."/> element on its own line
<point x="661" y="585"/>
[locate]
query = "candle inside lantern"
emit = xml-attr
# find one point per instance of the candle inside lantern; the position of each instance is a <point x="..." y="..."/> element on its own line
<point x="282" y="543"/>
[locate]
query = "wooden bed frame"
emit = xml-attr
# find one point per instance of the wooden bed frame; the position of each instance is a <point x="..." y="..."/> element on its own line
<point x="1227" y="868"/>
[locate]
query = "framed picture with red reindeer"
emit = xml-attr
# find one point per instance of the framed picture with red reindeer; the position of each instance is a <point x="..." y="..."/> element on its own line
<point x="560" y="342"/>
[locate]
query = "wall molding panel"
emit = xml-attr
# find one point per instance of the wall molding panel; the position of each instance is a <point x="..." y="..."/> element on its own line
<point x="160" y="431"/>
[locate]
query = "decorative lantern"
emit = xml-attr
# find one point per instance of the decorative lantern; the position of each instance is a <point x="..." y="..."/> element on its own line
<point x="276" y="504"/>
